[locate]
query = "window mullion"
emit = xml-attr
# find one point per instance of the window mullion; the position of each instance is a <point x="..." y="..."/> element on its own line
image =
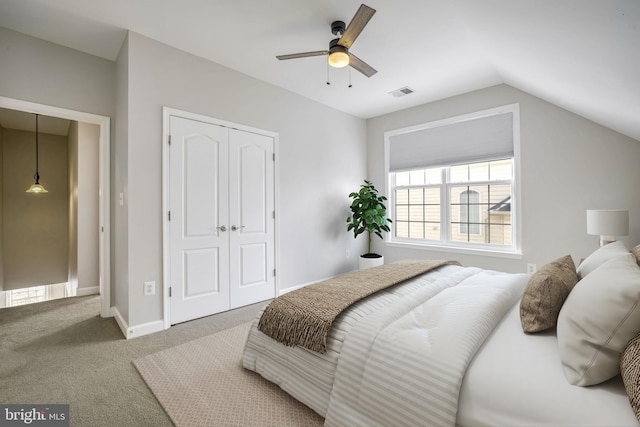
<point x="445" y="207"/>
<point x="424" y="212"/>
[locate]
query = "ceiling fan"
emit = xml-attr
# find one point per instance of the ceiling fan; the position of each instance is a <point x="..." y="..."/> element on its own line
<point x="339" y="55"/>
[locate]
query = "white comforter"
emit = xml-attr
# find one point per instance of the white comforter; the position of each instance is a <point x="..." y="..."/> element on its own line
<point x="397" y="357"/>
<point x="404" y="364"/>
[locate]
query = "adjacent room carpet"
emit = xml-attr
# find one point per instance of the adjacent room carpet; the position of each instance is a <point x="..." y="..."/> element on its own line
<point x="202" y="383"/>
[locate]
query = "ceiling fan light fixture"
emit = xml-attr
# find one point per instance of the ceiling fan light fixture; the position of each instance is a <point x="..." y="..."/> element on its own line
<point x="338" y="57"/>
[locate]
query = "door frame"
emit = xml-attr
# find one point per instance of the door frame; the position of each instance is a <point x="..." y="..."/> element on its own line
<point x="167" y="112"/>
<point x="104" y="183"/>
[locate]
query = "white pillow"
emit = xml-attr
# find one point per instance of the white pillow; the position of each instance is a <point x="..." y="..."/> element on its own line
<point x="599" y="257"/>
<point x="599" y="317"/>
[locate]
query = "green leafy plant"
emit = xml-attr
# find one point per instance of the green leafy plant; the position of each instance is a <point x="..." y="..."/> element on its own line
<point x="368" y="213"/>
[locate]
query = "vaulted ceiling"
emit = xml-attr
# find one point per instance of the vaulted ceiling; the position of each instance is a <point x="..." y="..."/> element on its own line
<point x="582" y="55"/>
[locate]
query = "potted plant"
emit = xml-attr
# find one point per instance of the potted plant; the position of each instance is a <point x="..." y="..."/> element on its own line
<point x="368" y="214"/>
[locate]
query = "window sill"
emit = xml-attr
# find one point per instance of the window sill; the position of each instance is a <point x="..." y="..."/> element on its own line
<point x="457" y="249"/>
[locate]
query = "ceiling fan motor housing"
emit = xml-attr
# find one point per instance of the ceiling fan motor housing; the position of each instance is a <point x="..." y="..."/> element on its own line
<point x="337" y="28"/>
<point x="334" y="46"/>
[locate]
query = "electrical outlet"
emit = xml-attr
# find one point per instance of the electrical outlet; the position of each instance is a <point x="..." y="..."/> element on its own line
<point x="149" y="288"/>
<point x="531" y="268"/>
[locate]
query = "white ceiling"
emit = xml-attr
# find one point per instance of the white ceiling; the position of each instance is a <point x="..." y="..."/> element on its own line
<point x="582" y="55"/>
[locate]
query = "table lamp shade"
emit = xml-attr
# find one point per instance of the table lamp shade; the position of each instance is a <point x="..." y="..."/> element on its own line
<point x="608" y="223"/>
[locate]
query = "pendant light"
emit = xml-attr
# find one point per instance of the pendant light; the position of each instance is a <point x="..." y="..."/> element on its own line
<point x="37" y="187"/>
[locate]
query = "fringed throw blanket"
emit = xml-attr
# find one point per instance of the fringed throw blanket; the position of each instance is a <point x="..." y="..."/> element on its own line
<point x="303" y="317"/>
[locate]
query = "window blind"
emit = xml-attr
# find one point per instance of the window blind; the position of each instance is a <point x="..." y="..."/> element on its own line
<point x="484" y="138"/>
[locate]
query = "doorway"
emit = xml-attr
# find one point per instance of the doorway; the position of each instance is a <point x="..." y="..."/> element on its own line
<point x="103" y="183"/>
<point x="220" y="228"/>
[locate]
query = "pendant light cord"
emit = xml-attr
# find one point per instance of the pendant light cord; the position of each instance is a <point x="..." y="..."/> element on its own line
<point x="37" y="175"/>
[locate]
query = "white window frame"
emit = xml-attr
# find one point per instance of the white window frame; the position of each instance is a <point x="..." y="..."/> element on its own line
<point x="513" y="251"/>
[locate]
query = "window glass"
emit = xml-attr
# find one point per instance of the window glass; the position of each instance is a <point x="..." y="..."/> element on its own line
<point x="459" y="173"/>
<point x="402" y="178"/>
<point x="469" y="221"/>
<point x="479" y="172"/>
<point x="433" y="176"/>
<point x="416" y="177"/>
<point x="501" y="170"/>
<point x="473" y="199"/>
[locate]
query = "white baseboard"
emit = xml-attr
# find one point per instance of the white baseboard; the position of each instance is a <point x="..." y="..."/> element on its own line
<point x="138" y="330"/>
<point x="120" y="320"/>
<point x="145" y="329"/>
<point x="110" y="312"/>
<point x="84" y="291"/>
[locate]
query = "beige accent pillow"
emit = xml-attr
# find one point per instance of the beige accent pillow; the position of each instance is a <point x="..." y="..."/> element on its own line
<point x="545" y="293"/>
<point x="636" y="252"/>
<point x="599" y="317"/>
<point x="630" y="370"/>
<point x="600" y="256"/>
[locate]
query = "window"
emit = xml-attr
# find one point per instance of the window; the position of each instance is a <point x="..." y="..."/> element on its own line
<point x="25" y="296"/>
<point x="478" y="209"/>
<point x="454" y="186"/>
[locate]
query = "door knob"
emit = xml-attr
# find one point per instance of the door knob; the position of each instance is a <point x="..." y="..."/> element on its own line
<point x="221" y="228"/>
<point x="235" y="227"/>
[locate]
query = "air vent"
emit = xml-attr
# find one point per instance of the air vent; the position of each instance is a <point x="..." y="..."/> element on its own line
<point x="402" y="91"/>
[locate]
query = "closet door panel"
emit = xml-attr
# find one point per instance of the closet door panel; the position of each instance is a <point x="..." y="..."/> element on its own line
<point x="199" y="259"/>
<point x="251" y="211"/>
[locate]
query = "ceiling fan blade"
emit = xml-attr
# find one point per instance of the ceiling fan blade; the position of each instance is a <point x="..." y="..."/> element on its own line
<point x="357" y="24"/>
<point x="361" y="66"/>
<point x="303" y="54"/>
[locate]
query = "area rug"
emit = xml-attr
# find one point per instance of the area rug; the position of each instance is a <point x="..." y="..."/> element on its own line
<point x="203" y="383"/>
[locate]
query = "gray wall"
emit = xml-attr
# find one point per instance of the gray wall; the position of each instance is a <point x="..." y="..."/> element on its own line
<point x="39" y="71"/>
<point x="568" y="165"/>
<point x="42" y="72"/>
<point x="1" y="222"/>
<point x="321" y="158"/>
<point x="72" y="155"/>
<point x="119" y="178"/>
<point x="323" y="155"/>
<point x="83" y="153"/>
<point x="88" y="206"/>
<point x="35" y="236"/>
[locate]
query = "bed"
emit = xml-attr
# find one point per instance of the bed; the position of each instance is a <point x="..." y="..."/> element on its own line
<point x="443" y="348"/>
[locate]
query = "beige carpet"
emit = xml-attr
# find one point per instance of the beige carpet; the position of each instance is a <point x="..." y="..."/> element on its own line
<point x="202" y="383"/>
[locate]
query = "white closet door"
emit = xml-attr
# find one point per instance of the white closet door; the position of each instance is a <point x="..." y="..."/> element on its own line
<point x="222" y="226"/>
<point x="199" y="219"/>
<point x="251" y="212"/>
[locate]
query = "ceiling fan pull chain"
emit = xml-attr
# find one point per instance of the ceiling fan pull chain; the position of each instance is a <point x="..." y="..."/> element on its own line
<point x="328" y="79"/>
<point x="350" y="77"/>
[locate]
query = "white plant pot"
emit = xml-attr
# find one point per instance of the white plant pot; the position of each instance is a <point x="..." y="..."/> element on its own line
<point x="364" y="263"/>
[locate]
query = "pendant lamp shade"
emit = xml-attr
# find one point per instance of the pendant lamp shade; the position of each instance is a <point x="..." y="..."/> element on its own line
<point x="37" y="187"/>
